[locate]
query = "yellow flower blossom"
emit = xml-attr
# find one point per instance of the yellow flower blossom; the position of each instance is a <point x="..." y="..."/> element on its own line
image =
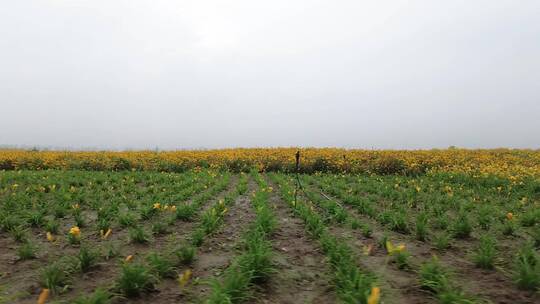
<point x="374" y="296"/>
<point x="43" y="296"/>
<point x="391" y="249"/>
<point x="183" y="279"/>
<point x="75" y="231"/>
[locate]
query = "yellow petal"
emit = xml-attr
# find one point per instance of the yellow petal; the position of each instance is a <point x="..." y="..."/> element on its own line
<point x="43" y="296"/>
<point x="374" y="296"/>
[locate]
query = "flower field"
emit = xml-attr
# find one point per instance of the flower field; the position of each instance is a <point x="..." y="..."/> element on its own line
<point x="515" y="164"/>
<point x="237" y="226"/>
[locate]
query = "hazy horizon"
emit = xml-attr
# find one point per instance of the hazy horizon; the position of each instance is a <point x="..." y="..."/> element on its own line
<point x="118" y="75"/>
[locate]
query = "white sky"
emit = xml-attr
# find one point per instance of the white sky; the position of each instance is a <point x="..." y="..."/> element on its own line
<point x="190" y="74"/>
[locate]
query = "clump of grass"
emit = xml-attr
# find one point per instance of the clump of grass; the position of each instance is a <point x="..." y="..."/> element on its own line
<point x="111" y="251"/>
<point x="402" y="259"/>
<point x="36" y="218"/>
<point x="159" y="228"/>
<point x="366" y="230"/>
<point x="421" y="227"/>
<point x="398" y="222"/>
<point x="86" y="258"/>
<point x="138" y="235"/>
<point x="355" y="224"/>
<point x="19" y="234"/>
<point x="161" y="266"/>
<point x="484" y="255"/>
<point x="462" y="227"/>
<point x="433" y="276"/>
<point x="54" y="277"/>
<point x="103" y="224"/>
<point x="27" y="251"/>
<point x="185" y="212"/>
<point x="233" y="289"/>
<point x="258" y="257"/>
<point x="127" y="219"/>
<point x="52" y="226"/>
<point x="99" y="296"/>
<point x="508" y="228"/>
<point x="197" y="237"/>
<point x="442" y="241"/>
<point x="527" y="269"/>
<point x="185" y="254"/>
<point x="80" y="221"/>
<point x="135" y="279"/>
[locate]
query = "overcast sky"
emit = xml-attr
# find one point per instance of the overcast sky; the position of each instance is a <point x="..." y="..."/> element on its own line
<point x="191" y="74"/>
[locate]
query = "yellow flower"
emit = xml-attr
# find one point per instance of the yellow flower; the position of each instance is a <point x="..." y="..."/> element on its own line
<point x="128" y="258"/>
<point x="43" y="296"/>
<point x="374" y="296"/>
<point x="391" y="249"/>
<point x="224" y="211"/>
<point x="184" y="278"/>
<point x="509" y="216"/>
<point x="157" y="206"/>
<point x="75" y="206"/>
<point x="50" y="237"/>
<point x="166" y="208"/>
<point x="75" y="231"/>
<point x="173" y="208"/>
<point x="107" y="234"/>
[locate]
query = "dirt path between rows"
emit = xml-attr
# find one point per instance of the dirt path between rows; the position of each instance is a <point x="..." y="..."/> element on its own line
<point x="302" y="272"/>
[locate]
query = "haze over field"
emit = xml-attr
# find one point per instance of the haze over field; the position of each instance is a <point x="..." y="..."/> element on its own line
<point x="191" y="74"/>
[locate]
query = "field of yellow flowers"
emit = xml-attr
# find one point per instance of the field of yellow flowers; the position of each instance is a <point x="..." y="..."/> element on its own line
<point x="513" y="164"/>
<point x="238" y="226"/>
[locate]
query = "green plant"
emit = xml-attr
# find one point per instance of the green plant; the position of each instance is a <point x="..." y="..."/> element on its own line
<point x="127" y="219"/>
<point x="355" y="224"/>
<point x="258" y="258"/>
<point x="79" y="219"/>
<point x="159" y="228"/>
<point x="103" y="224"/>
<point x="36" y="218"/>
<point x="184" y="212"/>
<point x="160" y="265"/>
<point x="401" y="258"/>
<point x="138" y="235"/>
<point x="54" y="277"/>
<point x="197" y="237"/>
<point x="366" y="230"/>
<point x="421" y="227"/>
<point x="185" y="254"/>
<point x="19" y="234"/>
<point x="233" y="289"/>
<point x="508" y="228"/>
<point x="26" y="251"/>
<point x="99" y="296"/>
<point x="52" y="226"/>
<point x="433" y="276"/>
<point x="442" y="241"/>
<point x="135" y="279"/>
<point x="86" y="258"/>
<point x="527" y="269"/>
<point x="484" y="255"/>
<point x="111" y="251"/>
<point x="462" y="227"/>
